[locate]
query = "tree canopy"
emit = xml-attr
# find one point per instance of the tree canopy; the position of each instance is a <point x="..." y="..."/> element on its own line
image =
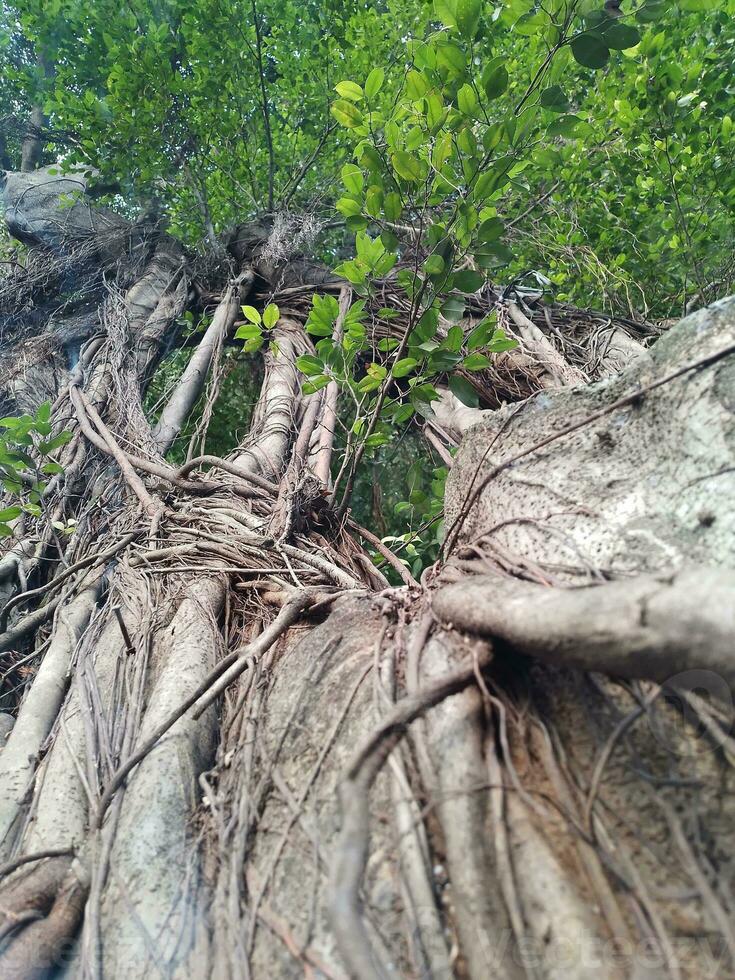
<point x="620" y="118"/>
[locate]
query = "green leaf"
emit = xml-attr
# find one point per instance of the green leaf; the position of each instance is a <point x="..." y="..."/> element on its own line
<point x="368" y="383"/>
<point x="468" y="281"/>
<point x="43" y="413"/>
<point x="462" y="389"/>
<point x="56" y="443"/>
<point x="531" y="23"/>
<point x="652" y="10"/>
<point x="446" y="11"/>
<point x="495" y="82"/>
<point x="402" y="413"/>
<point x="247" y="331"/>
<point x="492" y="254"/>
<point x="310" y="365"/>
<point x="434" y="265"/>
<point x="443" y="360"/>
<point x="392" y="206"/>
<point x="493" y="178"/>
<point x="352" y="178"/>
<point x="323" y="314"/>
<point x="453" y="340"/>
<point x="490" y="230"/>
<point x="590" y="50"/>
<point x="428" y="324"/>
<point x="475" y="362"/>
<point x="554" y="98"/>
<point x="5" y="531"/>
<point x="467" y="13"/>
<point x="346" y="114"/>
<point x="453" y="308"/>
<point x="500" y="343"/>
<point x="406" y="166"/>
<point x="467" y="100"/>
<point x="404" y="366"/>
<point x="564" y="126"/>
<point x="416" y="85"/>
<point x="699" y="6"/>
<point x="385" y="263"/>
<point x="374" y="82"/>
<point x="250" y="313"/>
<point x="378" y="371"/>
<point x="349" y="207"/>
<point x="451" y="57"/>
<point x="271" y="315"/>
<point x="10" y="513"/>
<point x="620" y="37"/>
<point x="352" y="272"/>
<point x="349" y="90"/>
<point x="315" y="384"/>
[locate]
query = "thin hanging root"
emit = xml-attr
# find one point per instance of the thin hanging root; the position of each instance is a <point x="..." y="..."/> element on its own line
<point x="352" y="848"/>
<point x="227" y="467"/>
<point x="192" y="381"/>
<point x="691" y="865"/>
<point x="307" y="957"/>
<point x="414" y="854"/>
<point x="455" y="743"/>
<point x="321" y="464"/>
<point x="10" y="866"/>
<point x="227" y="670"/>
<point x="389" y="556"/>
<point x="88" y="414"/>
<point x="258" y="894"/>
<point x="617" y="733"/>
<point x="54" y="583"/>
<point x="28" y="624"/>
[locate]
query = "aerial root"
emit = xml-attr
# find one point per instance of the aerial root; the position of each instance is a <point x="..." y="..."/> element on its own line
<point x="351" y="852"/>
<point x="650" y="627"/>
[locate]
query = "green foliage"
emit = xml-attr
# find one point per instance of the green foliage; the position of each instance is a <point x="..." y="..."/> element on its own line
<point x="641" y="218"/>
<point x="167" y="100"/>
<point x="254" y="332"/>
<point x="27" y="450"/>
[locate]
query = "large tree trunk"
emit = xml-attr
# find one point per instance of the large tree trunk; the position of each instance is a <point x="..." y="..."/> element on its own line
<point x="240" y="754"/>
